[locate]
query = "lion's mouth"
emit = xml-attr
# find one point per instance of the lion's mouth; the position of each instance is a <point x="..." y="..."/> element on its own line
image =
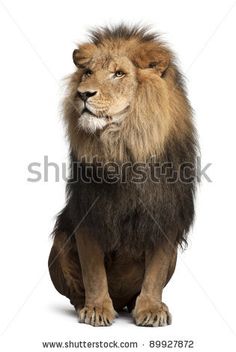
<point x="109" y="118"/>
<point x="89" y="112"/>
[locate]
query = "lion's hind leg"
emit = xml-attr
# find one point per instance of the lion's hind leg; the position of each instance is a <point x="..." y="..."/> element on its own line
<point x="65" y="271"/>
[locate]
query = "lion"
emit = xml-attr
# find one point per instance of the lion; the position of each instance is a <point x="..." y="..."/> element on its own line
<point x="116" y="240"/>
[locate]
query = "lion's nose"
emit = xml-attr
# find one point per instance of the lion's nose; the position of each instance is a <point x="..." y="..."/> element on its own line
<point x="85" y="95"/>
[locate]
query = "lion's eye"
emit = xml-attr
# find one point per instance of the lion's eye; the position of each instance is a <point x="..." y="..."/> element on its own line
<point x="87" y="72"/>
<point x="152" y="64"/>
<point x="119" y="73"/>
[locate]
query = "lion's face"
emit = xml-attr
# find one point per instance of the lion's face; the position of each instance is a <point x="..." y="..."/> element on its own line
<point x="108" y="78"/>
<point x="105" y="91"/>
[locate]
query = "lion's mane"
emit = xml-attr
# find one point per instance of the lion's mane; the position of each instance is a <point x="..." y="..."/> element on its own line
<point x="135" y="215"/>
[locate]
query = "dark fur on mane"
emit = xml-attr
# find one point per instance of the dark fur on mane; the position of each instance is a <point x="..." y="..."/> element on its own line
<point x="122" y="31"/>
<point x="133" y="216"/>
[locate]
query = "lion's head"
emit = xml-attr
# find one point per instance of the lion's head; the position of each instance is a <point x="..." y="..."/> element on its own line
<point x="126" y="96"/>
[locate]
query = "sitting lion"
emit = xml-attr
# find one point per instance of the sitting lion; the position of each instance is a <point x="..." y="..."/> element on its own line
<point x="130" y="193"/>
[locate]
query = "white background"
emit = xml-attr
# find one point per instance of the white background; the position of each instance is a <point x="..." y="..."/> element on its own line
<point x="37" y="40"/>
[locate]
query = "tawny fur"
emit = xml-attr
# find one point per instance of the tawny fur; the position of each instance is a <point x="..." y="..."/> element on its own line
<point x="133" y="229"/>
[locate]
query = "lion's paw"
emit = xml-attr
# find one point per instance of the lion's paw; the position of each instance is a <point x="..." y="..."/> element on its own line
<point x="97" y="315"/>
<point x="154" y="315"/>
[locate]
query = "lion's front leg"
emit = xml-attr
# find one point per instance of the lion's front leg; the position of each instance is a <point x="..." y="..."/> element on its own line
<point x="149" y="309"/>
<point x="98" y="309"/>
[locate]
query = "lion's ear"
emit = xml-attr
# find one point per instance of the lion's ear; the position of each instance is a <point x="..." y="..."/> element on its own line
<point x="75" y="57"/>
<point x="159" y="61"/>
<point x="155" y="58"/>
<point x="83" y="55"/>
